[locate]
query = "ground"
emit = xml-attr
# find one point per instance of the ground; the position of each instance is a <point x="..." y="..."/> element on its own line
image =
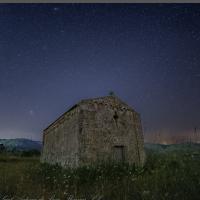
<point x="172" y="174"/>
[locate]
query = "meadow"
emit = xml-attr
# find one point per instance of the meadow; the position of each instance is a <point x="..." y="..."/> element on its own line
<point x="167" y="175"/>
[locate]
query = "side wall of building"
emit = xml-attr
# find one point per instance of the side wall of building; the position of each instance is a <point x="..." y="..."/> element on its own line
<point x="105" y="127"/>
<point x="60" y="140"/>
<point x="140" y="138"/>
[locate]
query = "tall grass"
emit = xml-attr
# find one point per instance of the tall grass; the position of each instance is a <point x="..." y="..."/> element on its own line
<point x="172" y="175"/>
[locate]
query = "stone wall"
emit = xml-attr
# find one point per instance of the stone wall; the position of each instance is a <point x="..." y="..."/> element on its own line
<point x="106" y="125"/>
<point x="60" y="141"/>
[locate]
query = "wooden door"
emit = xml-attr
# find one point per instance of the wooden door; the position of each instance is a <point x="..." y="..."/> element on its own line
<point x="118" y="154"/>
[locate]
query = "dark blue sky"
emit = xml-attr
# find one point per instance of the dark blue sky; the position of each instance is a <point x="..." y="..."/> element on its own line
<point x="53" y="55"/>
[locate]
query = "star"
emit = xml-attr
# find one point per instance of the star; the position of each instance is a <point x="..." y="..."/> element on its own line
<point x="44" y="47"/>
<point x="197" y="75"/>
<point x="55" y="8"/>
<point x="31" y="112"/>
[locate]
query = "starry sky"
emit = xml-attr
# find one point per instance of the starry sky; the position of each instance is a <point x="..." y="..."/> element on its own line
<point x="53" y="55"/>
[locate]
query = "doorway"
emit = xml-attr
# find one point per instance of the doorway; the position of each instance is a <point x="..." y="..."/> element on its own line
<point x="119" y="153"/>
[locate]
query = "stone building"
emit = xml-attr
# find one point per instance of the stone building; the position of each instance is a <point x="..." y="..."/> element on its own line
<point x="95" y="130"/>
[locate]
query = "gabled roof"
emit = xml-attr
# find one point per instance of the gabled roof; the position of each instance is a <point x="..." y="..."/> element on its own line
<point x="111" y="99"/>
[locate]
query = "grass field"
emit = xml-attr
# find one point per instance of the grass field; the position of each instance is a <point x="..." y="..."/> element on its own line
<point x="166" y="175"/>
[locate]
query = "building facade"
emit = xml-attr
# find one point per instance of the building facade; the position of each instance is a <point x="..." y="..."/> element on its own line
<point x="95" y="130"/>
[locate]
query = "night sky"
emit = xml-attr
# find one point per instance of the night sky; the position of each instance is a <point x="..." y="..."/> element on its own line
<point x="53" y="55"/>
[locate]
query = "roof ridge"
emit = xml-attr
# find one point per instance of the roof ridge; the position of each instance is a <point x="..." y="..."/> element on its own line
<point x="91" y="99"/>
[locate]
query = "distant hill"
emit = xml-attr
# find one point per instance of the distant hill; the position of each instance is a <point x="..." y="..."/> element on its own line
<point x="155" y="147"/>
<point x="21" y="144"/>
<point x="172" y="147"/>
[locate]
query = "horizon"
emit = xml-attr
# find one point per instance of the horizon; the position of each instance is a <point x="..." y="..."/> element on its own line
<point x="153" y="139"/>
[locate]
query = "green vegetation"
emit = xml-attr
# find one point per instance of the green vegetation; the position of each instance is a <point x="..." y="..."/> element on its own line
<point x="166" y="175"/>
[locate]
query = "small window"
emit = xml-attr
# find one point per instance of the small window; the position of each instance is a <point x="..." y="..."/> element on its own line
<point x="115" y="116"/>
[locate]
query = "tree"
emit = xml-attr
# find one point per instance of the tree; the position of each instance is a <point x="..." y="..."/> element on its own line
<point x="2" y="148"/>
